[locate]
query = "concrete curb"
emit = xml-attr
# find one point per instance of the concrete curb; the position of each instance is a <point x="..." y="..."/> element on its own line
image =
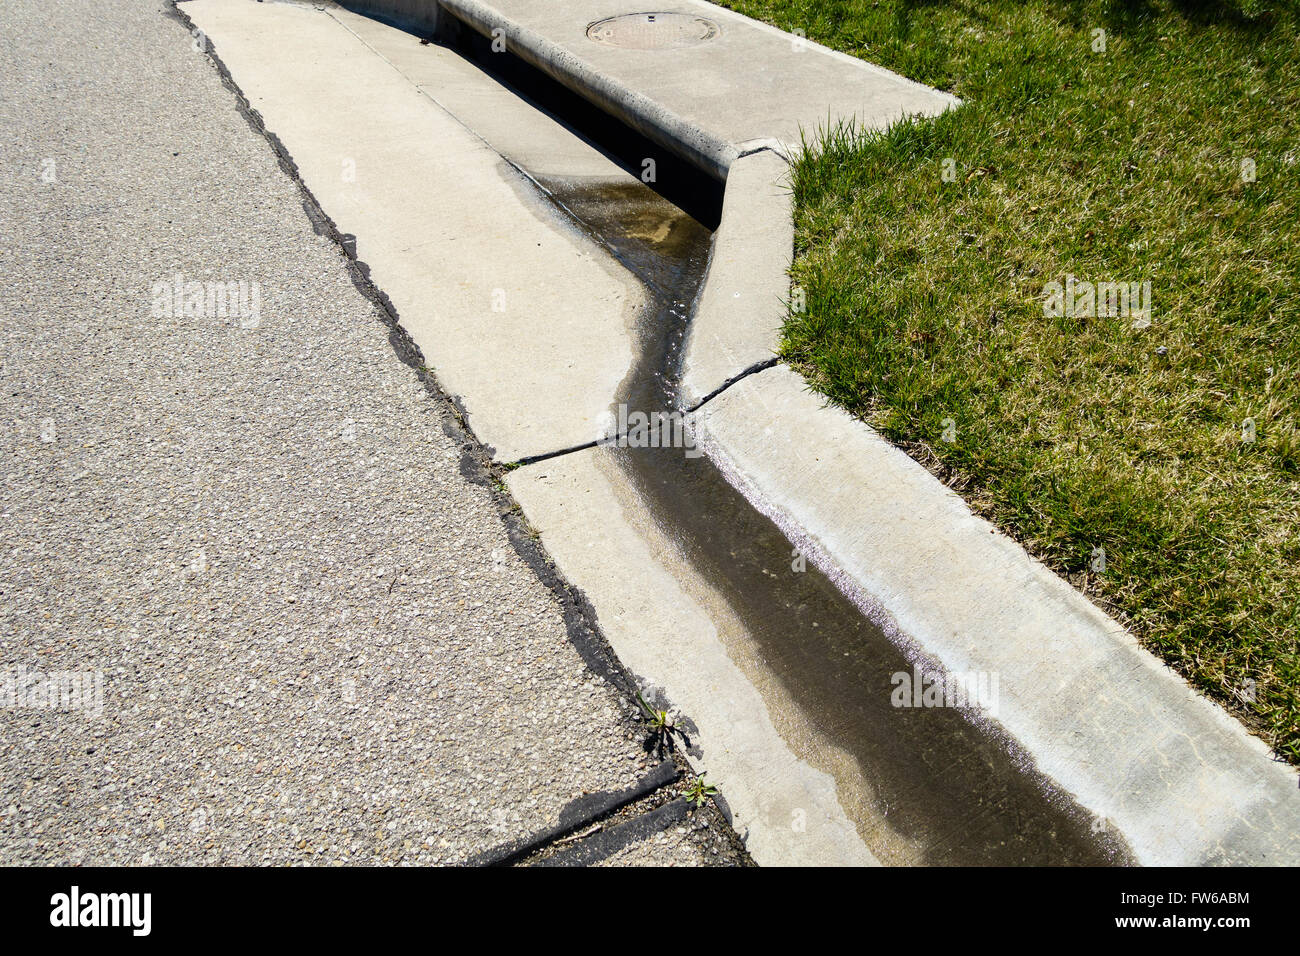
<point x="738" y="317"/>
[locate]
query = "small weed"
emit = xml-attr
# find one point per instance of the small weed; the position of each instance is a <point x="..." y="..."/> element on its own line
<point x="663" y="727"/>
<point x="700" y="791"/>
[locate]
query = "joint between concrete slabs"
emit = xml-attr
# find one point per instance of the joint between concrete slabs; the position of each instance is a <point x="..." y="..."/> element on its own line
<point x="752" y="370"/>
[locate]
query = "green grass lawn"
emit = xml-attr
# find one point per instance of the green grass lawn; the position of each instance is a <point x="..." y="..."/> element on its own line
<point x="1171" y="157"/>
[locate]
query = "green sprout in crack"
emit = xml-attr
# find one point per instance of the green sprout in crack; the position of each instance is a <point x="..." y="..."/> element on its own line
<point x="699" y="792"/>
<point x="662" y="726"/>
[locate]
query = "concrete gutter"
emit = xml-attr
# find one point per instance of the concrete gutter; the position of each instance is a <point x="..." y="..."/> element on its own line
<point x="1162" y="767"/>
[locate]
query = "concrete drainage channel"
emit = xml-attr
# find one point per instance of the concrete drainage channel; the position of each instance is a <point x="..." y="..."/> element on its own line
<point x="788" y="683"/>
<point x="960" y="794"/>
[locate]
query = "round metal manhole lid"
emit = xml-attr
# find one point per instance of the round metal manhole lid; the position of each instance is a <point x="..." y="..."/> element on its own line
<point x="652" y="31"/>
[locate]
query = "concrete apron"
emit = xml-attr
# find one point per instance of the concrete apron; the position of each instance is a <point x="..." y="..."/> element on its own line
<point x="476" y="255"/>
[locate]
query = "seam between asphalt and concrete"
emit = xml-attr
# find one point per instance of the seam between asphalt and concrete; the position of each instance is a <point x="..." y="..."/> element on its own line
<point x="581" y="831"/>
<point x="1180" y="779"/>
<point x="589" y="810"/>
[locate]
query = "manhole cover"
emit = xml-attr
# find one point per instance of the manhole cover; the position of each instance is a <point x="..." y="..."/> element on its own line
<point x="652" y="31"/>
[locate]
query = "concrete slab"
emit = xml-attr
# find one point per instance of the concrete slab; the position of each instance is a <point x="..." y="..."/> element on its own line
<point x="520" y="314"/>
<point x="749" y="85"/>
<point x="668" y="629"/>
<point x="1182" y="781"/>
<point x="737" y="321"/>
